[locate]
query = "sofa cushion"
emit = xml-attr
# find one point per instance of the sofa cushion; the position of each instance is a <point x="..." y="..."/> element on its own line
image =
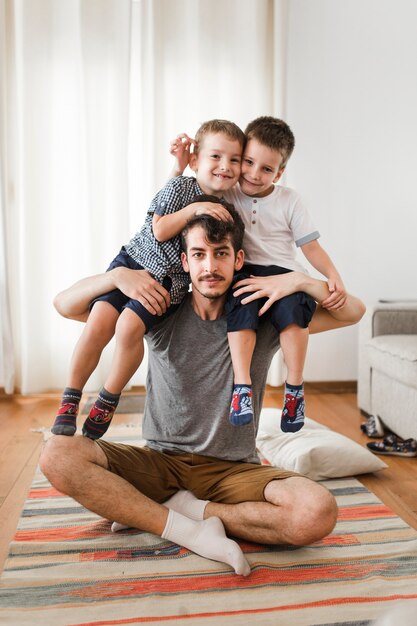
<point x="396" y="356"/>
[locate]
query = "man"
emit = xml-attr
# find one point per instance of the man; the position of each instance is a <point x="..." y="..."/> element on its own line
<point x="205" y="472"/>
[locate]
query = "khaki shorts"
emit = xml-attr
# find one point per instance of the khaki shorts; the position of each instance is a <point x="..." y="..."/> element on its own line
<point x="159" y="475"/>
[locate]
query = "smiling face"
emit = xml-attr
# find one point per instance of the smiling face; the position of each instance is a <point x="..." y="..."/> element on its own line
<point x="217" y="163"/>
<point x="261" y="168"/>
<point x="211" y="265"/>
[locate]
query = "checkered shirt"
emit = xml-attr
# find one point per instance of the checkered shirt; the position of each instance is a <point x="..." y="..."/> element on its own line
<point x="164" y="258"/>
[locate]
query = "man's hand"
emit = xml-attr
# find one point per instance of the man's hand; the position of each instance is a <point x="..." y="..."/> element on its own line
<point x="271" y="287"/>
<point x="180" y="148"/>
<point x="338" y="295"/>
<point x="139" y="285"/>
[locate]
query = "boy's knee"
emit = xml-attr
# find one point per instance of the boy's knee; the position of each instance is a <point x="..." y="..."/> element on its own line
<point x="130" y="327"/>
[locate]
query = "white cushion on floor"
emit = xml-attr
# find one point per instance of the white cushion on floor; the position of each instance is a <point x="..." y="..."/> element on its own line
<point x="315" y="451"/>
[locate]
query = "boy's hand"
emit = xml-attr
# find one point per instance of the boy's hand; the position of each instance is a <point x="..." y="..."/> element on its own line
<point x="180" y="149"/>
<point x="217" y="211"/>
<point x="271" y="287"/>
<point x="338" y="295"/>
<point x="139" y="285"/>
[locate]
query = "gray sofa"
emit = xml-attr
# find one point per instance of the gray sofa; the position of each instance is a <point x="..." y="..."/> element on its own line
<point x="387" y="377"/>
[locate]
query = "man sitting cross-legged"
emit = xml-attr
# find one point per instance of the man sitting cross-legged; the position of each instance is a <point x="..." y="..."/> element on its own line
<point x="190" y="443"/>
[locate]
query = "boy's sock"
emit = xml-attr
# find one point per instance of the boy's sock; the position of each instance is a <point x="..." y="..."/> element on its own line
<point x="101" y="414"/>
<point x="206" y="538"/>
<point x="241" y="411"/>
<point x="292" y="417"/>
<point x="182" y="502"/>
<point x="66" y="420"/>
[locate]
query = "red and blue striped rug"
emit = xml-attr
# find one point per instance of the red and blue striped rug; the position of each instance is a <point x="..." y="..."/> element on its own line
<point x="66" y="568"/>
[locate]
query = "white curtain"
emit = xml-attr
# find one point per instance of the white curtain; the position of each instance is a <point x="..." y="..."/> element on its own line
<point x="95" y="89"/>
<point x="7" y="362"/>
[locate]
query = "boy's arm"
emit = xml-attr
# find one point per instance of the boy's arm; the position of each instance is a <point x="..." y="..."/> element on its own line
<point x="274" y="288"/>
<point x="180" y="148"/>
<point x="167" y="226"/>
<point x="74" y="302"/>
<point x="321" y="261"/>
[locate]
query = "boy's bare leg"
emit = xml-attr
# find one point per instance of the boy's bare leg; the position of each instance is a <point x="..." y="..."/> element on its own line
<point x="96" y="334"/>
<point x="128" y="355"/>
<point x="77" y="467"/>
<point x="241" y="344"/>
<point x="294" y="342"/>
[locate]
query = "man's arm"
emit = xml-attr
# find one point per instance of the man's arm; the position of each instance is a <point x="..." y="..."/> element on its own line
<point x="275" y="287"/>
<point x="74" y="302"/>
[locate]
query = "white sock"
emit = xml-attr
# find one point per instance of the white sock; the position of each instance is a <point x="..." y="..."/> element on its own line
<point x="186" y="503"/>
<point x="206" y="538"/>
<point x="183" y="502"/>
<point x="115" y="527"/>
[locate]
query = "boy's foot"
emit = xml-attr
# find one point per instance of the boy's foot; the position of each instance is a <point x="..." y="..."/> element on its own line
<point x="66" y="419"/>
<point x="241" y="411"/>
<point x="292" y="416"/>
<point x="100" y="415"/>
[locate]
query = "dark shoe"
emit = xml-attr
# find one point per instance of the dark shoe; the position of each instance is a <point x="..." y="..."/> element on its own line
<point x="373" y="427"/>
<point x="394" y="446"/>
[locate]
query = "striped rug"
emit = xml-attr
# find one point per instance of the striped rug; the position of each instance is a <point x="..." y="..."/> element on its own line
<point x="66" y="568"/>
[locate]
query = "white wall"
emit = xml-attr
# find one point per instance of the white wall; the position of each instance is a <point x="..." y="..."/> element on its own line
<point x="352" y="104"/>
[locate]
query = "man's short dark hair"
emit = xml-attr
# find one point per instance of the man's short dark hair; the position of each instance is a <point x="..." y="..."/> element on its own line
<point x="272" y="133"/>
<point x="216" y="230"/>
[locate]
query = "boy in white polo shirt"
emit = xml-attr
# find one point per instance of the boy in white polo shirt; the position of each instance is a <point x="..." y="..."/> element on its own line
<point x="276" y="223"/>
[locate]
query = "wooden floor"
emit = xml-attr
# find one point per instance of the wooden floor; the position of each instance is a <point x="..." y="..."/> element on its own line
<point x="20" y="448"/>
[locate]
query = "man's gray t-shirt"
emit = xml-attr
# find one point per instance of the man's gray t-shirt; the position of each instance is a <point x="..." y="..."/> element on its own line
<point x="190" y="382"/>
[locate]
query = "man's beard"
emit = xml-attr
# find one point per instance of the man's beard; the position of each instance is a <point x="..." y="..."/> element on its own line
<point x="210" y="295"/>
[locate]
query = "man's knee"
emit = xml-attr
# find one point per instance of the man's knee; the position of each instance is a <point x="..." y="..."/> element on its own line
<point x="62" y="457"/>
<point x="318" y="517"/>
<point x="309" y="510"/>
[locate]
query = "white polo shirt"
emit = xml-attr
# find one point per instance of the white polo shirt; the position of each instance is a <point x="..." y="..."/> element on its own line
<point x="274" y="226"/>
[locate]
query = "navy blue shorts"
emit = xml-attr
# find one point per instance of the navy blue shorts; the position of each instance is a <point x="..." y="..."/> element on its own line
<point x="297" y="308"/>
<point x="120" y="301"/>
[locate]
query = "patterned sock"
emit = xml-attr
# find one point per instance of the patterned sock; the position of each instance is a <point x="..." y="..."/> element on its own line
<point x="101" y="414"/>
<point x="241" y="411"/>
<point x="292" y="417"/>
<point x="66" y="420"/>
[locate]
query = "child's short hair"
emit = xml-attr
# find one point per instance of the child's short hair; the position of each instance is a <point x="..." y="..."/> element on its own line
<point x="273" y="133"/>
<point x="212" y="127"/>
